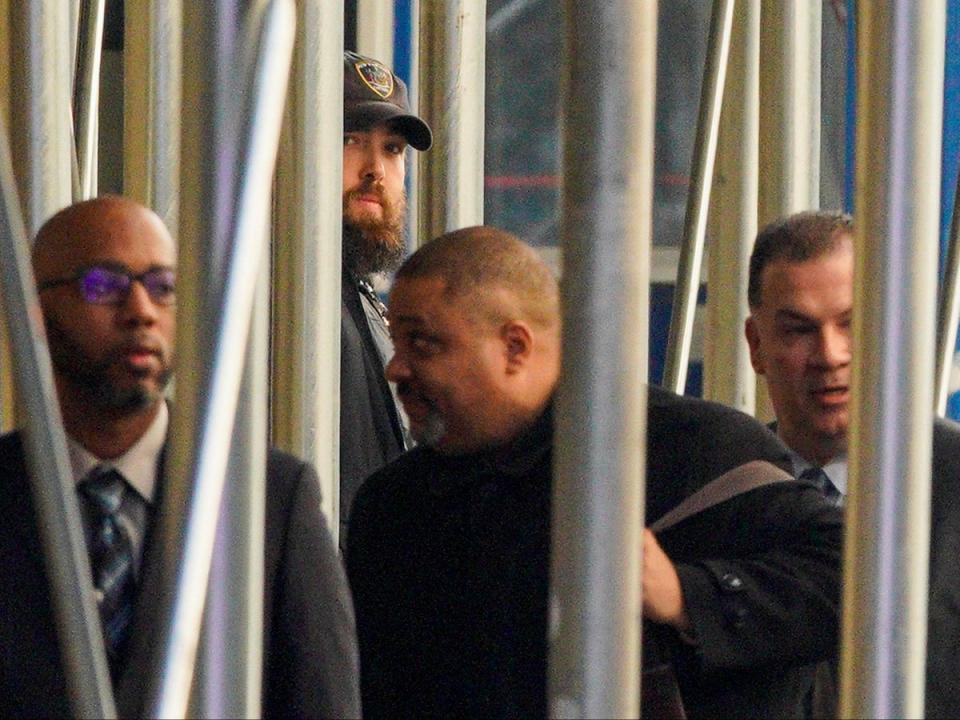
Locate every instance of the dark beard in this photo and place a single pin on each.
(371, 245)
(92, 377)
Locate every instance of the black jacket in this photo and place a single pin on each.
(310, 661)
(370, 434)
(449, 556)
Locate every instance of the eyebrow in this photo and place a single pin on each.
(796, 315)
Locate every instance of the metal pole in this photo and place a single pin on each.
(54, 494)
(413, 158)
(900, 58)
(452, 62)
(152, 61)
(375, 30)
(728, 375)
(86, 93)
(790, 107)
(230, 143)
(948, 309)
(40, 107)
(698, 199)
(229, 671)
(606, 221)
(7, 388)
(306, 272)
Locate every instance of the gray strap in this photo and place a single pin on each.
(741, 479)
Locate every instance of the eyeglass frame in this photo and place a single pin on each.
(116, 269)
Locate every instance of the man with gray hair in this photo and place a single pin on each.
(449, 550)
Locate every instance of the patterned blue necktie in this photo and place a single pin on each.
(819, 478)
(111, 559)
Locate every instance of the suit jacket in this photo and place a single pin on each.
(310, 661)
(449, 557)
(943, 610)
(370, 434)
(943, 620)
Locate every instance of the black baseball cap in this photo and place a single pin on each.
(372, 94)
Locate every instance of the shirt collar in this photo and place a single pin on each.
(835, 470)
(138, 465)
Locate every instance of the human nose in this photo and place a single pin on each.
(397, 368)
(372, 167)
(834, 347)
(138, 308)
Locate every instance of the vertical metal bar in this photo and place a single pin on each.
(698, 199)
(231, 133)
(452, 57)
(40, 107)
(7, 388)
(728, 375)
(86, 93)
(152, 61)
(375, 30)
(413, 158)
(948, 309)
(900, 60)
(790, 107)
(305, 396)
(65, 553)
(606, 221)
(230, 659)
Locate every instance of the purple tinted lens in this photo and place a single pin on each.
(100, 286)
(159, 284)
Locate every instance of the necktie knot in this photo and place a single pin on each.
(818, 477)
(104, 487)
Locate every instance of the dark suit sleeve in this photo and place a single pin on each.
(313, 664)
(760, 573)
(775, 604)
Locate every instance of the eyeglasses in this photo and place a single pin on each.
(101, 285)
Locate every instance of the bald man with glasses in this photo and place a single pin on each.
(106, 277)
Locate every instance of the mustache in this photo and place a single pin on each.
(368, 186)
(406, 390)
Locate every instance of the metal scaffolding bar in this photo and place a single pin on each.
(229, 676)
(152, 61)
(790, 107)
(698, 199)
(86, 93)
(606, 221)
(375, 30)
(306, 272)
(54, 494)
(452, 46)
(40, 107)
(231, 133)
(728, 374)
(900, 59)
(948, 309)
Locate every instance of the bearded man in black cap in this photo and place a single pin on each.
(378, 125)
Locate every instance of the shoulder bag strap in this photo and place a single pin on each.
(743, 478)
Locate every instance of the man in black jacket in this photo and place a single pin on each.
(801, 310)
(105, 270)
(377, 127)
(449, 550)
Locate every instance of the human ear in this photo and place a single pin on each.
(518, 344)
(753, 340)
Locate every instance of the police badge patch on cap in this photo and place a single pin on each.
(376, 77)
